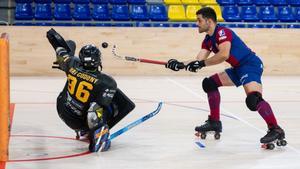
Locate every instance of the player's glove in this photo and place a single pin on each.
(175, 65)
(195, 65)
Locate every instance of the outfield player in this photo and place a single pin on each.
(246, 70)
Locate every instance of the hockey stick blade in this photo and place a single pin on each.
(137, 122)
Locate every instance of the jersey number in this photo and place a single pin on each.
(82, 92)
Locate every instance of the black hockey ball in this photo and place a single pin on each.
(104, 44)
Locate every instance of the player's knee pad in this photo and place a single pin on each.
(253, 99)
(95, 116)
(209, 85)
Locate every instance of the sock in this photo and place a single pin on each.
(214, 99)
(265, 110)
(214, 104)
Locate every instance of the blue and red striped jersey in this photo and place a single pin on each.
(239, 52)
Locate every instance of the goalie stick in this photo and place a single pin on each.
(137, 122)
(129, 126)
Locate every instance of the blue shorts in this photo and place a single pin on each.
(247, 72)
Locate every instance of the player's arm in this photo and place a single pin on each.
(221, 56)
(223, 41)
(175, 65)
(61, 48)
(202, 55)
(62, 58)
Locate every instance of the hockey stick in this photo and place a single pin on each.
(137, 122)
(134, 59)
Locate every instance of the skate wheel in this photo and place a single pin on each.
(217, 136)
(203, 136)
(77, 137)
(197, 134)
(283, 142)
(278, 143)
(264, 146)
(270, 146)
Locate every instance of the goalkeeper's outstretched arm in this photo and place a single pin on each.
(62, 49)
(62, 58)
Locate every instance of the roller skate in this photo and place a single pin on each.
(99, 139)
(275, 135)
(209, 126)
(81, 134)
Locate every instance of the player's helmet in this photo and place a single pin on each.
(90, 57)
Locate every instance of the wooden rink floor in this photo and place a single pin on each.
(40, 140)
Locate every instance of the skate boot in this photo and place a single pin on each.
(209, 126)
(81, 134)
(274, 135)
(99, 140)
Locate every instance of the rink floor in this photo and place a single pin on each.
(40, 140)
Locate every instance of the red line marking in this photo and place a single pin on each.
(50, 158)
(2, 164)
(11, 115)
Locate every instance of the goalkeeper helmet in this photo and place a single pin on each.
(90, 57)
